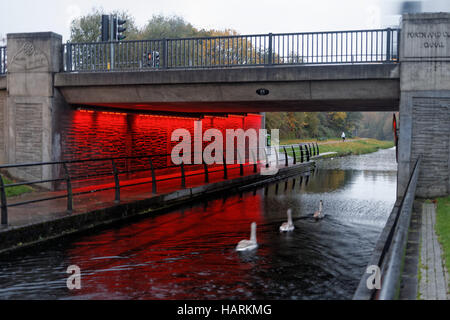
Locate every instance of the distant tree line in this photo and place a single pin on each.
(298, 125)
(377, 125)
(320, 125)
(88, 28)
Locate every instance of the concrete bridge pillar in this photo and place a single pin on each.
(425, 102)
(33, 59)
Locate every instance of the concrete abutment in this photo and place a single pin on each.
(425, 102)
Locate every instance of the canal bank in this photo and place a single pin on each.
(34, 225)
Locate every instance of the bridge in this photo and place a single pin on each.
(407, 70)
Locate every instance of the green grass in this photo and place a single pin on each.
(355, 147)
(419, 272)
(443, 227)
(15, 191)
(297, 141)
(360, 146)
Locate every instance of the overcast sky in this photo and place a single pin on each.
(245, 16)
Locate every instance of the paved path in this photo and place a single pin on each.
(88, 200)
(38, 212)
(340, 141)
(328, 141)
(434, 278)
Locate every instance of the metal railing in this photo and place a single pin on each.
(335, 47)
(389, 251)
(3, 66)
(117, 167)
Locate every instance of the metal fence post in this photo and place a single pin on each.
(69, 189)
(270, 62)
(318, 150)
(241, 165)
(225, 173)
(388, 46)
(69, 57)
(286, 157)
(116, 181)
(255, 164)
(153, 175)
(301, 153)
(307, 153)
(111, 44)
(165, 63)
(205, 166)
(4, 206)
(295, 157)
(183, 176)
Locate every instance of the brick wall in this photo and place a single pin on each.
(431, 134)
(86, 134)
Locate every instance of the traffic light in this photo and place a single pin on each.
(105, 28)
(153, 59)
(118, 30)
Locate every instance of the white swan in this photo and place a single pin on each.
(287, 226)
(251, 244)
(319, 214)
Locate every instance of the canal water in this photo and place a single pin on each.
(189, 253)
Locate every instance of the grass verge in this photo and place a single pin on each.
(360, 146)
(355, 147)
(17, 190)
(443, 227)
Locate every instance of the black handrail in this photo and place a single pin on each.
(389, 250)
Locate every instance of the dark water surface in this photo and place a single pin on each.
(189, 253)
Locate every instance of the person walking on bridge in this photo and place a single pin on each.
(343, 136)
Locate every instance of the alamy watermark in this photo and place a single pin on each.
(74, 280)
(214, 152)
(374, 280)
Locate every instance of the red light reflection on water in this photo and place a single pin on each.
(186, 254)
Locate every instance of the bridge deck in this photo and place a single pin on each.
(372, 87)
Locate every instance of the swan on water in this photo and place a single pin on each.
(251, 244)
(287, 226)
(319, 214)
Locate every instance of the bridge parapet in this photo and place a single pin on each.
(334, 47)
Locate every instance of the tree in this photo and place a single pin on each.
(312, 121)
(88, 28)
(160, 27)
(376, 125)
(353, 121)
